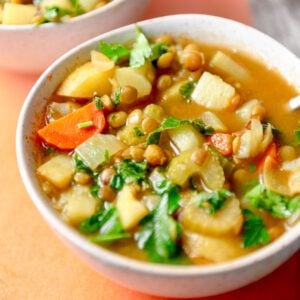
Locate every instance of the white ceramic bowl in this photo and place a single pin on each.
(162, 280)
(32, 48)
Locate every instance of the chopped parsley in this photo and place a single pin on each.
(80, 166)
(141, 50)
(115, 52)
(98, 102)
(252, 168)
(94, 190)
(85, 124)
(116, 98)
(158, 49)
(117, 182)
(254, 230)
(172, 123)
(214, 201)
(131, 171)
(278, 205)
(187, 89)
(297, 134)
(107, 223)
(159, 234)
(54, 14)
(138, 132)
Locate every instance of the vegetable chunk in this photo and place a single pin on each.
(87, 80)
(130, 209)
(78, 203)
(18, 14)
(58, 170)
(212, 92)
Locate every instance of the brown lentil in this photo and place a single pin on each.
(198, 156)
(149, 125)
(82, 178)
(165, 60)
(164, 82)
(106, 193)
(128, 95)
(117, 119)
(155, 155)
(137, 153)
(106, 175)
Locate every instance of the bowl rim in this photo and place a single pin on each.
(106, 256)
(51, 25)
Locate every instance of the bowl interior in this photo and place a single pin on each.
(207, 29)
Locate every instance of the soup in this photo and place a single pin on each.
(172, 152)
(18, 12)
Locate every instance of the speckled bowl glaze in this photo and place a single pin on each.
(32, 48)
(155, 279)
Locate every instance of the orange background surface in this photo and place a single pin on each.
(34, 264)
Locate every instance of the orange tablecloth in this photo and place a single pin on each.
(34, 264)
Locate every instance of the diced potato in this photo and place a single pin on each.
(18, 14)
(147, 70)
(226, 221)
(133, 77)
(78, 204)
(57, 110)
(98, 149)
(58, 170)
(127, 135)
(292, 165)
(1, 13)
(101, 61)
(294, 182)
(245, 111)
(85, 81)
(276, 179)
(210, 119)
(88, 5)
(212, 92)
(181, 168)
(130, 209)
(211, 248)
(226, 64)
(172, 93)
(185, 137)
(63, 4)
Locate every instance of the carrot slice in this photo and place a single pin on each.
(65, 134)
(222, 142)
(271, 151)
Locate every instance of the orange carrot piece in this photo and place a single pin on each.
(222, 142)
(271, 151)
(64, 133)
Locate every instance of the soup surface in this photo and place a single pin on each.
(18, 12)
(172, 151)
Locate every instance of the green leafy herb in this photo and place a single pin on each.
(98, 102)
(49, 150)
(278, 205)
(107, 222)
(202, 127)
(94, 190)
(297, 134)
(110, 237)
(116, 98)
(159, 234)
(252, 168)
(77, 7)
(172, 123)
(117, 182)
(214, 201)
(80, 166)
(158, 49)
(85, 124)
(141, 50)
(187, 89)
(138, 132)
(131, 171)
(54, 14)
(115, 52)
(254, 232)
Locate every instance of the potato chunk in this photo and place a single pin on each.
(78, 204)
(88, 5)
(130, 209)
(226, 64)
(185, 137)
(58, 171)
(63, 4)
(226, 221)
(212, 92)
(87, 80)
(18, 14)
(132, 77)
(211, 248)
